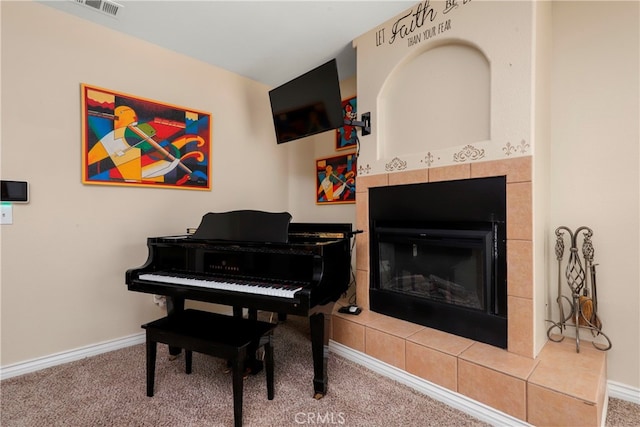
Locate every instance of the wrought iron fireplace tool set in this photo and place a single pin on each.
(583, 304)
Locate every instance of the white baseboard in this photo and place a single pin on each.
(623, 392)
(69, 356)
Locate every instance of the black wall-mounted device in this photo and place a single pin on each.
(309, 104)
(14, 191)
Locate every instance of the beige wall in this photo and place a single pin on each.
(65, 256)
(595, 158)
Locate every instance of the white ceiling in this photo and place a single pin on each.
(268, 41)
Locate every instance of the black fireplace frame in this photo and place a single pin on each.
(469, 204)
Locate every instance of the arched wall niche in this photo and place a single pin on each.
(437, 98)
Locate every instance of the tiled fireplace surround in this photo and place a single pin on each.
(540, 390)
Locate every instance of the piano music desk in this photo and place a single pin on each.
(217, 335)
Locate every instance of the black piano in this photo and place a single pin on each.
(259, 261)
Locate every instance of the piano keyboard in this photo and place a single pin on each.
(282, 291)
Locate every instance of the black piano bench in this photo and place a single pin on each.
(228, 337)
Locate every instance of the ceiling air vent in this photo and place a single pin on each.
(107, 7)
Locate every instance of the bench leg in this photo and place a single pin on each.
(268, 358)
(188, 359)
(151, 366)
(238, 378)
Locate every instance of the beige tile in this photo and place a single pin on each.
(432, 365)
(385, 347)
(362, 251)
(496, 389)
(364, 182)
(519, 169)
(396, 327)
(581, 375)
(519, 211)
(550, 408)
(409, 177)
(362, 289)
(490, 168)
(520, 268)
(564, 352)
(516, 170)
(348, 333)
(362, 211)
(499, 360)
(441, 341)
(520, 326)
(364, 318)
(449, 173)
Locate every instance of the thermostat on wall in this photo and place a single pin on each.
(14, 191)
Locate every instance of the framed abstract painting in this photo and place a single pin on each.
(346, 136)
(128, 140)
(336, 179)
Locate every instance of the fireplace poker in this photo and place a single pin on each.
(594, 298)
(559, 256)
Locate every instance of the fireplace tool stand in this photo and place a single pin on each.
(582, 310)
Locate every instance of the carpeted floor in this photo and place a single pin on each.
(109, 390)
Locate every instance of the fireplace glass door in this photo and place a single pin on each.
(444, 266)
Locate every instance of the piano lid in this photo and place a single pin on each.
(244, 226)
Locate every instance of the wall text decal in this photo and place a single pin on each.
(406, 26)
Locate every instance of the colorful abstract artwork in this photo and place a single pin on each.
(127, 140)
(346, 136)
(336, 179)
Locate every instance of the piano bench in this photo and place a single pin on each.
(228, 337)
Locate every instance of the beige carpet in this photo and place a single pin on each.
(109, 390)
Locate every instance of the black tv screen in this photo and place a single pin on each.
(308, 104)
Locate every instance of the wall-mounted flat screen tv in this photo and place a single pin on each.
(308, 104)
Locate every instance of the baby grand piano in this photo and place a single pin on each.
(255, 260)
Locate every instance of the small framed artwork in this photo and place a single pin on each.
(346, 135)
(132, 141)
(336, 179)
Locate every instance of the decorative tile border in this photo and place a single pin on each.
(483, 151)
(469, 152)
(396, 164)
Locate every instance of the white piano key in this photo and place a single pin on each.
(282, 292)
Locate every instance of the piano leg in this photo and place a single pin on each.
(320, 324)
(174, 305)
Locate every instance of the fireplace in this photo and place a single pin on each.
(438, 256)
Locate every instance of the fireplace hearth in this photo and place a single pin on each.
(438, 256)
